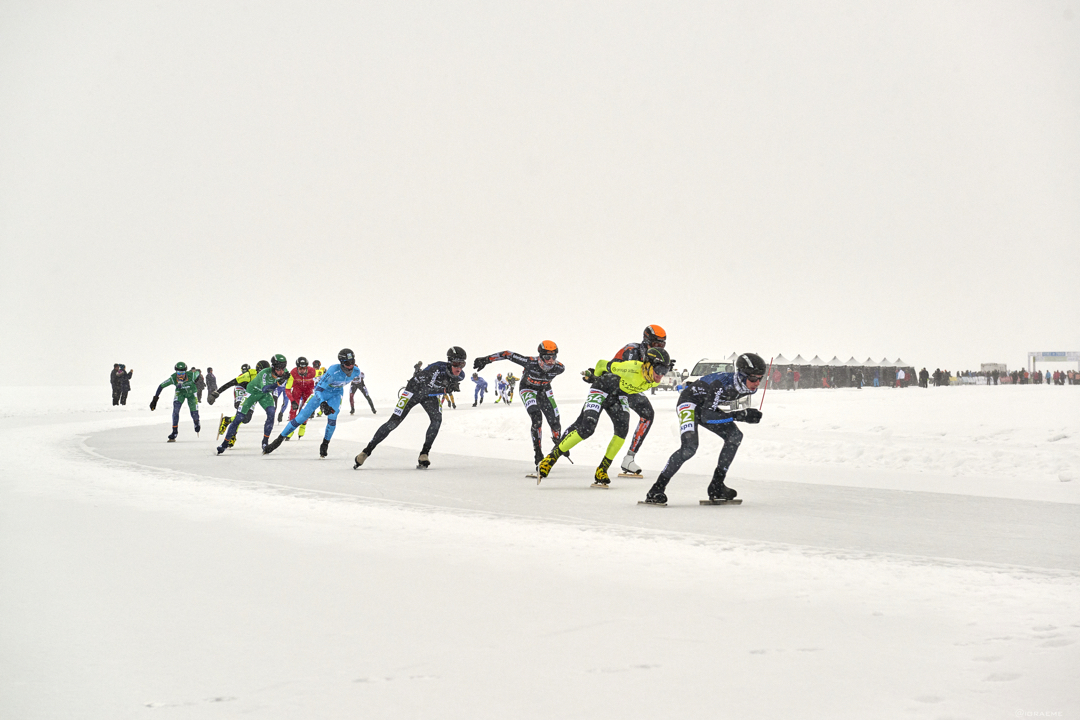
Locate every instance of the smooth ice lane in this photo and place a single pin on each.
(833, 519)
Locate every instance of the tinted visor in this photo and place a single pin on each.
(546, 361)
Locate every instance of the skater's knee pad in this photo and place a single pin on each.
(332, 420)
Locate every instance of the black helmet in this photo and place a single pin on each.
(244, 368)
(180, 367)
(751, 365)
(456, 356)
(654, 336)
(346, 357)
(659, 358)
(261, 365)
(278, 362)
(316, 364)
(301, 361)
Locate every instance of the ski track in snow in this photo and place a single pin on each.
(287, 586)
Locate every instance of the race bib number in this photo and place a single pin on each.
(686, 417)
(529, 398)
(595, 400)
(403, 400)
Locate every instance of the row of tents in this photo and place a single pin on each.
(816, 361)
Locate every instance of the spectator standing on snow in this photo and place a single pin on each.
(200, 383)
(211, 381)
(121, 382)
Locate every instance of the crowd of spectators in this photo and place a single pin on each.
(1014, 377)
(795, 377)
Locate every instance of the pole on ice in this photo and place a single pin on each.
(768, 377)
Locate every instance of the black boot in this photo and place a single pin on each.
(718, 490)
(656, 495)
(324, 447)
(271, 447)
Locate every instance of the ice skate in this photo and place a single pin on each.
(271, 447)
(324, 448)
(422, 462)
(655, 498)
(601, 479)
(303, 428)
(629, 467)
(359, 460)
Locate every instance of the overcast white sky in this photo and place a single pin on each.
(216, 182)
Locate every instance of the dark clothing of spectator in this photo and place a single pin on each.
(121, 385)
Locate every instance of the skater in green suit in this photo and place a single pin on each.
(261, 392)
(184, 380)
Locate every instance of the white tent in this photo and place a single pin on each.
(900, 363)
(852, 362)
(885, 363)
(870, 363)
(733, 357)
(835, 362)
(816, 361)
(781, 360)
(799, 360)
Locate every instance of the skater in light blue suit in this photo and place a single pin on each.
(329, 391)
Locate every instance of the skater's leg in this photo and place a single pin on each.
(333, 401)
(302, 417)
(405, 403)
(536, 421)
(641, 405)
(732, 436)
(352, 403)
(434, 410)
(688, 445)
(363, 389)
(177, 404)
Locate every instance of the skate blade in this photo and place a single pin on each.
(600, 485)
(642, 502)
(533, 475)
(421, 467)
(736, 501)
(630, 475)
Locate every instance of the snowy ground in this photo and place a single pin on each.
(900, 553)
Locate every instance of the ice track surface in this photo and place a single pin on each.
(143, 579)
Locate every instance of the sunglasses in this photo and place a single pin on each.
(458, 363)
(753, 378)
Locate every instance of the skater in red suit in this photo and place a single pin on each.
(299, 388)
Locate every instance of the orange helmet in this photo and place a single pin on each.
(654, 336)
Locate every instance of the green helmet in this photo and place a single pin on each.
(278, 362)
(180, 367)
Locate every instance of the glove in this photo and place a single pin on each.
(480, 363)
(453, 386)
(588, 376)
(212, 396)
(326, 409)
(750, 415)
(153, 403)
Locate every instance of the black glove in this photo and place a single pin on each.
(212, 396)
(453, 386)
(153, 403)
(749, 415)
(480, 363)
(588, 376)
(326, 409)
